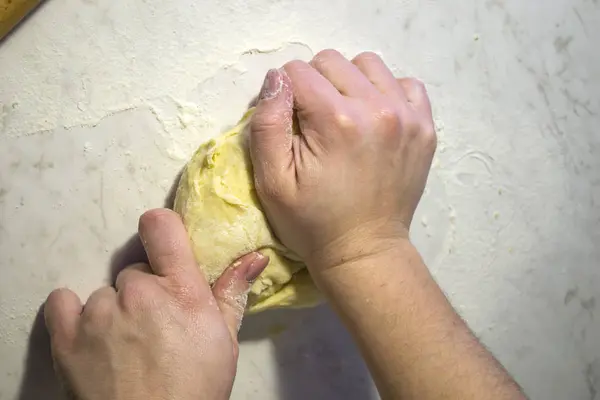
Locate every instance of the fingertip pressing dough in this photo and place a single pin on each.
(224, 219)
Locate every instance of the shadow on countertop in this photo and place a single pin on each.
(315, 355)
(39, 381)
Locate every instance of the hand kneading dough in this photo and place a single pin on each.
(224, 219)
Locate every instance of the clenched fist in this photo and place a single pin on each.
(346, 182)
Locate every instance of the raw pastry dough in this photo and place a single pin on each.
(224, 219)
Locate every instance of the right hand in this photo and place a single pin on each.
(347, 184)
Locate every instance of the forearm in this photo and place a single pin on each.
(414, 342)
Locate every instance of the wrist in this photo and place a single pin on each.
(392, 274)
(359, 249)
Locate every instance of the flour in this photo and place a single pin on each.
(506, 243)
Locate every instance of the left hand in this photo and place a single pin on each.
(162, 333)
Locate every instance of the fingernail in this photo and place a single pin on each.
(256, 267)
(272, 85)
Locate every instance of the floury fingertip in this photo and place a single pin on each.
(272, 85)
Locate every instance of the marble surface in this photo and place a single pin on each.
(101, 104)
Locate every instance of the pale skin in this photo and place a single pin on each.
(341, 193)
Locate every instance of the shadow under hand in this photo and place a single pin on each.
(315, 355)
(39, 381)
(132, 252)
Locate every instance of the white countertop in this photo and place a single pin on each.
(101, 104)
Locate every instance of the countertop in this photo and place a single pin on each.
(102, 103)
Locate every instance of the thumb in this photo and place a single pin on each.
(271, 125)
(231, 289)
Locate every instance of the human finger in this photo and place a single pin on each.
(416, 94)
(62, 311)
(100, 306)
(344, 75)
(373, 67)
(133, 272)
(231, 289)
(167, 244)
(313, 93)
(271, 125)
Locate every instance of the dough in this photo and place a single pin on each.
(224, 219)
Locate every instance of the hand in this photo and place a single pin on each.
(348, 183)
(162, 334)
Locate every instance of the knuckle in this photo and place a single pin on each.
(265, 120)
(156, 216)
(324, 55)
(131, 294)
(182, 290)
(102, 309)
(99, 316)
(184, 296)
(418, 85)
(413, 124)
(54, 298)
(415, 128)
(295, 65)
(388, 118)
(328, 53)
(410, 127)
(430, 138)
(367, 56)
(344, 121)
(388, 115)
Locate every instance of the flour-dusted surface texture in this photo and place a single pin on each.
(103, 103)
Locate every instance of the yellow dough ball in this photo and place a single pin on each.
(224, 219)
